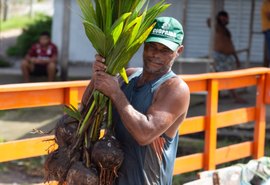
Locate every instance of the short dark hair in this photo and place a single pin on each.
(222, 13)
(45, 33)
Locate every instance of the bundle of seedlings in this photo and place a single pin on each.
(116, 29)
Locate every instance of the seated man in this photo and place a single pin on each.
(40, 59)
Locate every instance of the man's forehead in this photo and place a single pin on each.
(158, 45)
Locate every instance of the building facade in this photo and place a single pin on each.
(192, 13)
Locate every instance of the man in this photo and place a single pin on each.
(224, 53)
(265, 19)
(148, 110)
(40, 59)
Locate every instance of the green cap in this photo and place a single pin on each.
(167, 31)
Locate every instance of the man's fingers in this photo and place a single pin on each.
(99, 58)
(102, 74)
(98, 66)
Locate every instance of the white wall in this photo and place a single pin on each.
(57, 23)
(80, 49)
(239, 11)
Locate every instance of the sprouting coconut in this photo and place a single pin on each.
(56, 166)
(58, 163)
(116, 29)
(78, 174)
(65, 130)
(108, 156)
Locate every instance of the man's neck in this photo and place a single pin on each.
(148, 77)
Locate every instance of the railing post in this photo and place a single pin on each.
(210, 141)
(267, 89)
(259, 128)
(71, 96)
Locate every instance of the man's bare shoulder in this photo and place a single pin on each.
(175, 83)
(175, 88)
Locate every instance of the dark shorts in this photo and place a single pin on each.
(39, 70)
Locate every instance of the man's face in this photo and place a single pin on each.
(224, 20)
(44, 40)
(157, 58)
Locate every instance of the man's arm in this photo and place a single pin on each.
(170, 105)
(236, 59)
(265, 10)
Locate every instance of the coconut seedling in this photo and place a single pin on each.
(116, 29)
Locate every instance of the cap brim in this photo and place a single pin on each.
(172, 45)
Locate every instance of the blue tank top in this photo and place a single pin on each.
(151, 164)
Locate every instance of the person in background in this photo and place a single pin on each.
(40, 59)
(224, 53)
(265, 20)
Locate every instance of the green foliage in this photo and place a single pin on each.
(30, 35)
(16, 23)
(4, 62)
(2, 140)
(73, 112)
(184, 178)
(116, 29)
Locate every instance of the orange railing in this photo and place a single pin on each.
(57, 93)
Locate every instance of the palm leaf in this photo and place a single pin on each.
(138, 8)
(123, 74)
(151, 14)
(136, 28)
(73, 112)
(126, 56)
(108, 9)
(96, 36)
(99, 15)
(117, 27)
(88, 10)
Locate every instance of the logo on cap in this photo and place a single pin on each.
(164, 32)
(165, 26)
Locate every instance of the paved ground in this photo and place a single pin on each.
(8, 39)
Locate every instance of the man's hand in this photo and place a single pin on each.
(104, 82)
(107, 84)
(98, 65)
(36, 61)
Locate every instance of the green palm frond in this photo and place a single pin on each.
(96, 37)
(73, 112)
(116, 29)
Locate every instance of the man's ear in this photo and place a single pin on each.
(180, 50)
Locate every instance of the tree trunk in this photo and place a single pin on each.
(5, 10)
(31, 8)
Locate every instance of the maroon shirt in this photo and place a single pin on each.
(43, 53)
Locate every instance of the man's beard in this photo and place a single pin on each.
(162, 69)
